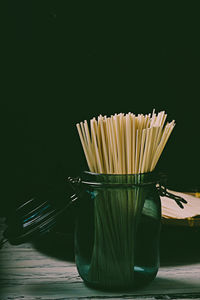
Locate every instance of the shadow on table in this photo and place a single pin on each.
(179, 245)
(57, 245)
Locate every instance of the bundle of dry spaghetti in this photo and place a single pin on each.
(120, 144)
(124, 143)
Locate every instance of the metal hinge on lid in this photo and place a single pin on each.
(162, 190)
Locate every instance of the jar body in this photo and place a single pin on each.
(117, 231)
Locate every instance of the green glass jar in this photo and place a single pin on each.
(117, 230)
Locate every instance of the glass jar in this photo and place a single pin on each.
(117, 230)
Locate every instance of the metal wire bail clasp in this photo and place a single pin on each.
(74, 181)
(162, 190)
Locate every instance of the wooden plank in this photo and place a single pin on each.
(69, 290)
(65, 282)
(28, 274)
(57, 273)
(32, 262)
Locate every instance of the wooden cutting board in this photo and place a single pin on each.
(173, 215)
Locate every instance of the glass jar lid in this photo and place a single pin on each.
(38, 214)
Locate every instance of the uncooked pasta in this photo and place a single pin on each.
(124, 143)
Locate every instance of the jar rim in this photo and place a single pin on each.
(118, 174)
(100, 180)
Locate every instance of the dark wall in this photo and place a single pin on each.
(64, 64)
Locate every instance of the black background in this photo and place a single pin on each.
(63, 63)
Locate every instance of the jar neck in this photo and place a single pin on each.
(113, 180)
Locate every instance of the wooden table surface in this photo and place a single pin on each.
(27, 273)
